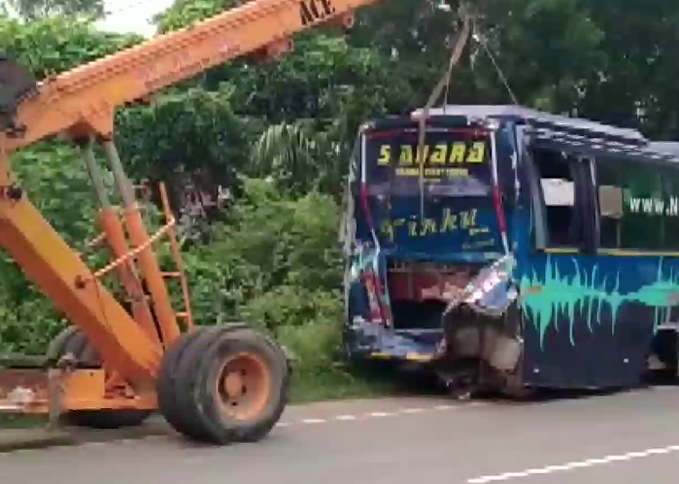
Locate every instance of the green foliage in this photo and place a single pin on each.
(184, 12)
(32, 10)
(634, 83)
(186, 137)
(54, 178)
(56, 44)
(275, 263)
(314, 100)
(555, 46)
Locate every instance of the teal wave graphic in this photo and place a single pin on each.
(547, 296)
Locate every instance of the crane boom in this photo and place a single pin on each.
(84, 98)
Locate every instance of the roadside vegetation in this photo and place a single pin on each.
(254, 155)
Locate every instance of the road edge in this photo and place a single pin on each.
(12, 440)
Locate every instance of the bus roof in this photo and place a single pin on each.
(671, 147)
(533, 116)
(579, 135)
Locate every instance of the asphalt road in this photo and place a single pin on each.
(622, 438)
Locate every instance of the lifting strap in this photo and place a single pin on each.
(444, 81)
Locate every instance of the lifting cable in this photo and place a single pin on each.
(469, 30)
(443, 82)
(479, 38)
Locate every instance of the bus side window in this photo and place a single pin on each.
(557, 182)
(671, 220)
(634, 205)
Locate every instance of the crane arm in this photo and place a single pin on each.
(84, 98)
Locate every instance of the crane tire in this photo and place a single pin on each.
(167, 400)
(73, 340)
(260, 368)
(192, 425)
(55, 350)
(107, 419)
(205, 380)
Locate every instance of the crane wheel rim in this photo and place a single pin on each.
(243, 386)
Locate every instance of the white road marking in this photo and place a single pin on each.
(412, 410)
(313, 421)
(575, 465)
(369, 415)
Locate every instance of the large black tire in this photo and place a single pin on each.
(56, 348)
(188, 420)
(193, 393)
(107, 419)
(72, 340)
(167, 402)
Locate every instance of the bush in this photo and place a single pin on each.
(276, 261)
(276, 264)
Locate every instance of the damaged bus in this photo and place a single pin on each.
(512, 249)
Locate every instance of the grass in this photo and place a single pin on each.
(337, 383)
(12, 421)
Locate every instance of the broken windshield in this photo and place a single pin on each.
(456, 162)
(452, 211)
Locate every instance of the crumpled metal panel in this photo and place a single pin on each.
(491, 292)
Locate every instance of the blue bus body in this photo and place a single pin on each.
(512, 247)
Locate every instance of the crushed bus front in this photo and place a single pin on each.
(426, 246)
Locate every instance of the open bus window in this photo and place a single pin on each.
(557, 184)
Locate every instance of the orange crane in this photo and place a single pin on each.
(125, 358)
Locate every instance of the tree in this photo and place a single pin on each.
(547, 50)
(635, 82)
(56, 44)
(184, 12)
(33, 10)
(191, 140)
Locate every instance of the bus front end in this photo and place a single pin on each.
(428, 267)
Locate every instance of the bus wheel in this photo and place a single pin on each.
(224, 384)
(665, 350)
(74, 342)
